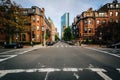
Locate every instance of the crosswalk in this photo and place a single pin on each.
(61, 45)
(13, 53)
(74, 72)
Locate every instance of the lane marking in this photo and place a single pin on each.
(76, 75)
(9, 51)
(46, 77)
(61, 45)
(4, 55)
(102, 51)
(118, 69)
(12, 56)
(99, 71)
(104, 76)
(70, 69)
(2, 74)
(90, 66)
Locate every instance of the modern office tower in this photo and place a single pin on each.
(64, 23)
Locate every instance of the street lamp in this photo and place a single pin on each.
(17, 34)
(44, 33)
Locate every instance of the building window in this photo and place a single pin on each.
(33, 19)
(104, 21)
(111, 13)
(111, 6)
(37, 19)
(90, 30)
(117, 6)
(85, 22)
(101, 14)
(98, 21)
(38, 36)
(108, 5)
(116, 13)
(117, 21)
(89, 21)
(85, 30)
(24, 12)
(84, 14)
(38, 28)
(74, 27)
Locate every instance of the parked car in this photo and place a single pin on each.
(70, 42)
(50, 43)
(12, 45)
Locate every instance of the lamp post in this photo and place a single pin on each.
(17, 34)
(44, 33)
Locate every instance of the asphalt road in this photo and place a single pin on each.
(59, 62)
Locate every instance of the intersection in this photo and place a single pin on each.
(60, 62)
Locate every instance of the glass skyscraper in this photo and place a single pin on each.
(64, 23)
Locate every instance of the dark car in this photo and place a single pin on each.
(50, 43)
(13, 45)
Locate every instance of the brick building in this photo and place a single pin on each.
(34, 29)
(36, 25)
(85, 25)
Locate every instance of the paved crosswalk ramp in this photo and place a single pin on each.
(59, 74)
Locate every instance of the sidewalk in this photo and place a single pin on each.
(94, 46)
(28, 46)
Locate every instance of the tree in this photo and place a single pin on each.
(67, 34)
(47, 36)
(56, 38)
(110, 32)
(12, 19)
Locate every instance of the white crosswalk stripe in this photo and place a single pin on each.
(61, 45)
(13, 53)
(100, 71)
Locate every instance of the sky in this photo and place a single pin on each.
(56, 8)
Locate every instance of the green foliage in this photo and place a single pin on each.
(67, 34)
(47, 36)
(11, 18)
(56, 38)
(110, 33)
